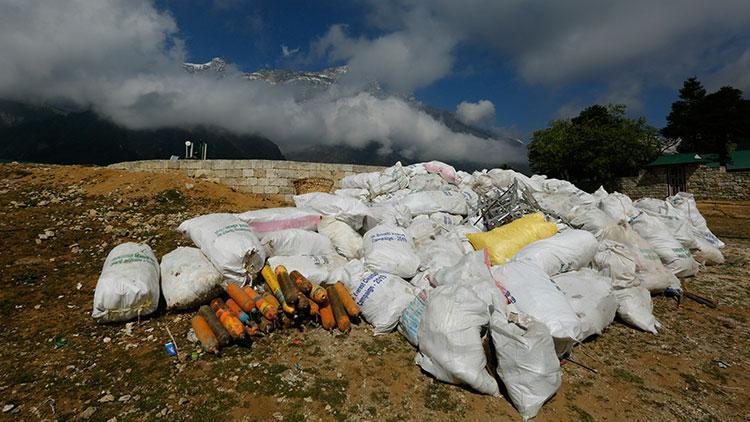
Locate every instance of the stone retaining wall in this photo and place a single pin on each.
(271, 177)
(706, 183)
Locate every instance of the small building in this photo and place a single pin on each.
(699, 174)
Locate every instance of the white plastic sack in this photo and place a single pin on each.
(706, 253)
(618, 206)
(444, 251)
(229, 243)
(649, 270)
(390, 212)
(420, 182)
(349, 210)
(381, 297)
(450, 343)
(446, 221)
(428, 202)
(591, 297)
(273, 219)
(292, 242)
(616, 262)
(539, 297)
(682, 229)
(316, 268)
(390, 249)
(423, 230)
(344, 239)
(634, 306)
(188, 279)
(684, 203)
(378, 183)
(566, 251)
(674, 256)
(590, 218)
(474, 271)
(526, 362)
(678, 226)
(411, 317)
(128, 286)
(358, 194)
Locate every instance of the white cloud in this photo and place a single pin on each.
(550, 42)
(122, 58)
(286, 51)
(402, 60)
(480, 113)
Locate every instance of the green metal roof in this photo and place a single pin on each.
(675, 159)
(740, 160)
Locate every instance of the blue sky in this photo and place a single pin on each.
(251, 33)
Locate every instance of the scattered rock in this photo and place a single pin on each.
(106, 399)
(124, 399)
(183, 401)
(88, 413)
(8, 407)
(107, 339)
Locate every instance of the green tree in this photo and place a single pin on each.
(594, 148)
(709, 123)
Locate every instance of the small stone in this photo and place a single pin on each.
(106, 399)
(8, 407)
(89, 412)
(107, 339)
(189, 186)
(124, 399)
(183, 401)
(114, 419)
(37, 306)
(92, 213)
(162, 413)
(308, 399)
(328, 408)
(78, 286)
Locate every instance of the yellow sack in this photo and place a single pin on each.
(505, 241)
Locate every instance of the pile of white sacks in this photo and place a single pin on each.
(397, 240)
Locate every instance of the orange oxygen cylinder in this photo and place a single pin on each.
(235, 309)
(288, 288)
(327, 319)
(339, 313)
(273, 285)
(205, 335)
(216, 326)
(239, 296)
(346, 299)
(233, 325)
(319, 294)
(269, 311)
(270, 298)
(301, 281)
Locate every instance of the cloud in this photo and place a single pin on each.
(123, 59)
(553, 43)
(480, 113)
(286, 52)
(401, 61)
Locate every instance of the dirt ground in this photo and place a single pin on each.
(59, 222)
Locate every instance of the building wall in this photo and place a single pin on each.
(271, 177)
(707, 184)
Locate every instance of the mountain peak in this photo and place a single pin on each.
(217, 64)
